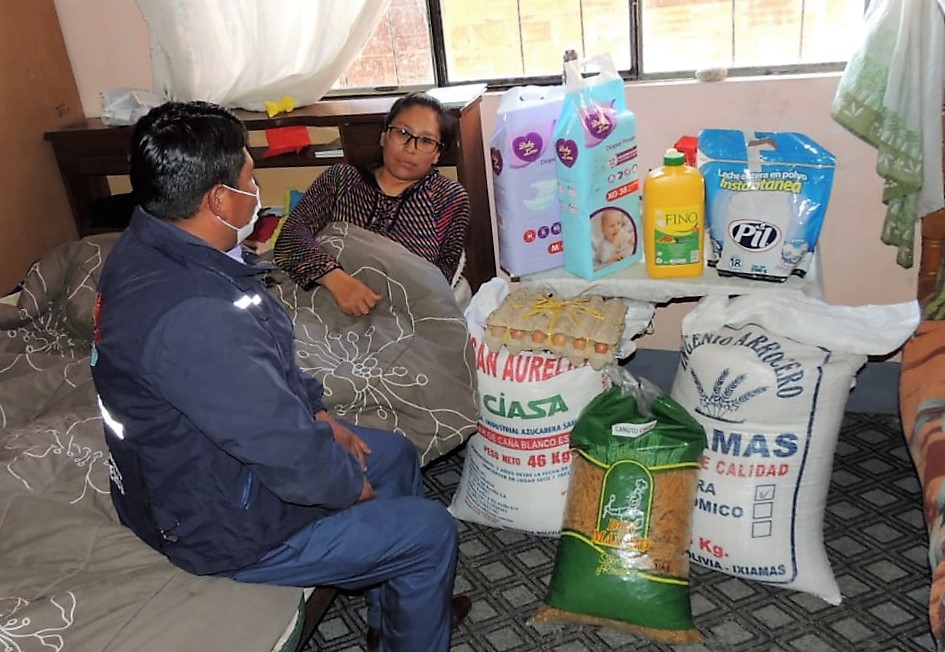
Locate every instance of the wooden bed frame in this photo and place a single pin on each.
(89, 152)
(932, 245)
(315, 608)
(932, 251)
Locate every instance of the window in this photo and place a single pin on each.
(687, 34)
(440, 42)
(399, 53)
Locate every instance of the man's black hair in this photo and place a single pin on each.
(419, 98)
(179, 151)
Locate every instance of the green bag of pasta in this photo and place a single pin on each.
(622, 556)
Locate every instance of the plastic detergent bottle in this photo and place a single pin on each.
(674, 218)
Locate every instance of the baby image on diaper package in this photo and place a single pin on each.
(766, 197)
(524, 179)
(597, 168)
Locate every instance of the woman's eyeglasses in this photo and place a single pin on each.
(403, 137)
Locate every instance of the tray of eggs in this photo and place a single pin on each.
(582, 329)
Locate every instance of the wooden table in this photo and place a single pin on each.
(89, 152)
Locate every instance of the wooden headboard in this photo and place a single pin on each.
(932, 244)
(931, 254)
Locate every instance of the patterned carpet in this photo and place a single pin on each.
(876, 542)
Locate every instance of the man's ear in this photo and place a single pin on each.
(215, 200)
(436, 157)
(383, 139)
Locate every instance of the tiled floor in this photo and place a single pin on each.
(875, 539)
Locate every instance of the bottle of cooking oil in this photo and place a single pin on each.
(674, 218)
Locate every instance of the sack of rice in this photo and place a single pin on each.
(768, 376)
(621, 558)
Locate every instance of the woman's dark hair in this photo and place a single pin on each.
(179, 151)
(419, 98)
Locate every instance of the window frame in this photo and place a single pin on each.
(633, 74)
(441, 73)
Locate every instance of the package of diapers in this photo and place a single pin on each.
(768, 376)
(597, 168)
(523, 176)
(766, 196)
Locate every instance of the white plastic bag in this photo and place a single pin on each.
(768, 376)
(125, 106)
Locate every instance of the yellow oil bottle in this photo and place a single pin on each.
(674, 218)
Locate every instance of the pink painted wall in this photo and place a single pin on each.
(107, 42)
(108, 47)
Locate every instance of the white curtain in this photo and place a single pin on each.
(242, 53)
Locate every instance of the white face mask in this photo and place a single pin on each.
(245, 231)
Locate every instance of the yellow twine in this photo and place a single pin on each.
(555, 307)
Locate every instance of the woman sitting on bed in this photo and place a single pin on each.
(406, 199)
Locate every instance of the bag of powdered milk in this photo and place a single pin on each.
(523, 175)
(597, 168)
(768, 376)
(766, 196)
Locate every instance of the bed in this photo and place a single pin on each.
(73, 577)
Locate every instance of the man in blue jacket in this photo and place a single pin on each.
(224, 456)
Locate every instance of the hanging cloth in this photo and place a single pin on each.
(245, 53)
(890, 95)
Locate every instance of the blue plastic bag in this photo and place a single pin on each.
(597, 170)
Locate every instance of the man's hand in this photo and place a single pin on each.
(352, 295)
(367, 491)
(348, 440)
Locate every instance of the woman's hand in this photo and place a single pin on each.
(352, 295)
(348, 440)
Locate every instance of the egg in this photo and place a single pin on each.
(517, 334)
(580, 343)
(497, 331)
(538, 337)
(559, 339)
(600, 347)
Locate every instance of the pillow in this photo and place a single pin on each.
(266, 229)
(54, 310)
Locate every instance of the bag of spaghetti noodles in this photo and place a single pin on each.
(622, 556)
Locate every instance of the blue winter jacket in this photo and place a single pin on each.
(217, 456)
